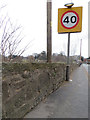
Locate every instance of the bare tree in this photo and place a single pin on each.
(11, 38)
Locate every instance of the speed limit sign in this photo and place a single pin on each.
(70, 19)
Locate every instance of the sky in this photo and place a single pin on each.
(32, 16)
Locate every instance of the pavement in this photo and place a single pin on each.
(69, 101)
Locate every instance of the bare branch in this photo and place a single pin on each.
(11, 38)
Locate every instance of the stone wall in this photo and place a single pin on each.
(25, 85)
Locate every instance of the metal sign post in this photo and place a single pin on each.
(68, 64)
(80, 48)
(69, 21)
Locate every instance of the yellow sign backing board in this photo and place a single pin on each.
(69, 19)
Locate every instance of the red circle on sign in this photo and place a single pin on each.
(76, 22)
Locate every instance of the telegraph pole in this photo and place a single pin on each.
(49, 30)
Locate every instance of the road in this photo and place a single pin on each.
(87, 67)
(0, 90)
(69, 101)
(89, 91)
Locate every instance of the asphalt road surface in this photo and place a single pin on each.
(89, 91)
(0, 90)
(69, 101)
(87, 67)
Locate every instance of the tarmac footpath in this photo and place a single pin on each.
(69, 101)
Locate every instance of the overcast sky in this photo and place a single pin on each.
(31, 14)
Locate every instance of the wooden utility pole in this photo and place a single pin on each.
(49, 30)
